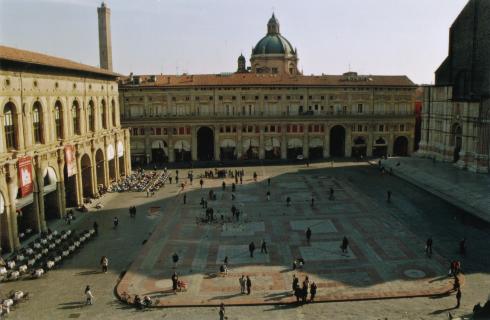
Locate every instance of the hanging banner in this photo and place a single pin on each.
(110, 152)
(120, 149)
(25, 176)
(71, 164)
(2, 204)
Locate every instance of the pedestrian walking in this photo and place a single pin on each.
(175, 280)
(308, 235)
(241, 179)
(313, 288)
(104, 262)
(268, 195)
(176, 179)
(312, 201)
(388, 196)
(185, 198)
(116, 222)
(251, 248)
(462, 247)
(88, 295)
(222, 312)
(428, 247)
(96, 228)
(295, 283)
(255, 176)
(223, 186)
(269, 182)
(331, 197)
(288, 201)
(225, 261)
(345, 245)
(458, 298)
(456, 284)
(170, 179)
(249, 285)
(175, 259)
(243, 284)
(263, 247)
(201, 182)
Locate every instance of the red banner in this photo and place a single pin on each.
(71, 164)
(25, 175)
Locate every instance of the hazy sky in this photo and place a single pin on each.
(206, 36)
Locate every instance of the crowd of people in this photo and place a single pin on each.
(141, 181)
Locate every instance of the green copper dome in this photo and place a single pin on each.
(273, 44)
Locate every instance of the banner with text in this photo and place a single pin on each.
(71, 163)
(25, 176)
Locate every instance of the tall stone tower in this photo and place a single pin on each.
(105, 44)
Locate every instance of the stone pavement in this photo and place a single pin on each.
(466, 190)
(385, 260)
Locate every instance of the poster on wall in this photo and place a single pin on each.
(25, 176)
(71, 164)
(110, 152)
(120, 149)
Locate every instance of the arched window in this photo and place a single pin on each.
(103, 114)
(90, 116)
(58, 120)
(75, 116)
(10, 126)
(37, 123)
(114, 114)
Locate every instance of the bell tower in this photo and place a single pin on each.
(105, 44)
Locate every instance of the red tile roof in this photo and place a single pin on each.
(252, 79)
(30, 57)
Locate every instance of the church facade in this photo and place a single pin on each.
(456, 112)
(267, 111)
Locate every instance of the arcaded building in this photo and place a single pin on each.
(268, 110)
(456, 110)
(60, 139)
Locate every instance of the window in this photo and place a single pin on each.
(37, 122)
(359, 108)
(103, 114)
(10, 126)
(75, 118)
(90, 116)
(402, 127)
(381, 128)
(58, 120)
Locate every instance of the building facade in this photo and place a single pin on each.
(456, 110)
(267, 111)
(60, 139)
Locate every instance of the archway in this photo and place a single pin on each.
(315, 149)
(159, 151)
(86, 166)
(182, 151)
(456, 140)
(70, 188)
(100, 170)
(359, 147)
(251, 149)
(228, 148)
(272, 148)
(295, 148)
(205, 144)
(400, 147)
(380, 148)
(337, 141)
(51, 194)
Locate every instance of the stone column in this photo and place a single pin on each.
(261, 143)
(194, 143)
(284, 143)
(348, 142)
(40, 201)
(60, 184)
(239, 144)
(306, 145)
(106, 166)
(148, 146)
(11, 210)
(79, 179)
(391, 140)
(171, 152)
(326, 142)
(217, 153)
(93, 171)
(369, 144)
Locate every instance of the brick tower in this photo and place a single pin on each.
(105, 45)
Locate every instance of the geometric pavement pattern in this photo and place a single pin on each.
(384, 259)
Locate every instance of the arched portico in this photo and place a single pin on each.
(337, 141)
(205, 144)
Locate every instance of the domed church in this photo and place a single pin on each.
(274, 53)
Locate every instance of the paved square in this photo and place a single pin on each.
(383, 260)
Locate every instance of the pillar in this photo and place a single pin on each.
(369, 144)
(391, 140)
(261, 143)
(306, 145)
(239, 144)
(79, 179)
(326, 142)
(148, 146)
(348, 142)
(41, 219)
(194, 143)
(284, 143)
(217, 155)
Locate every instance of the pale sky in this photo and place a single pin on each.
(383, 37)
